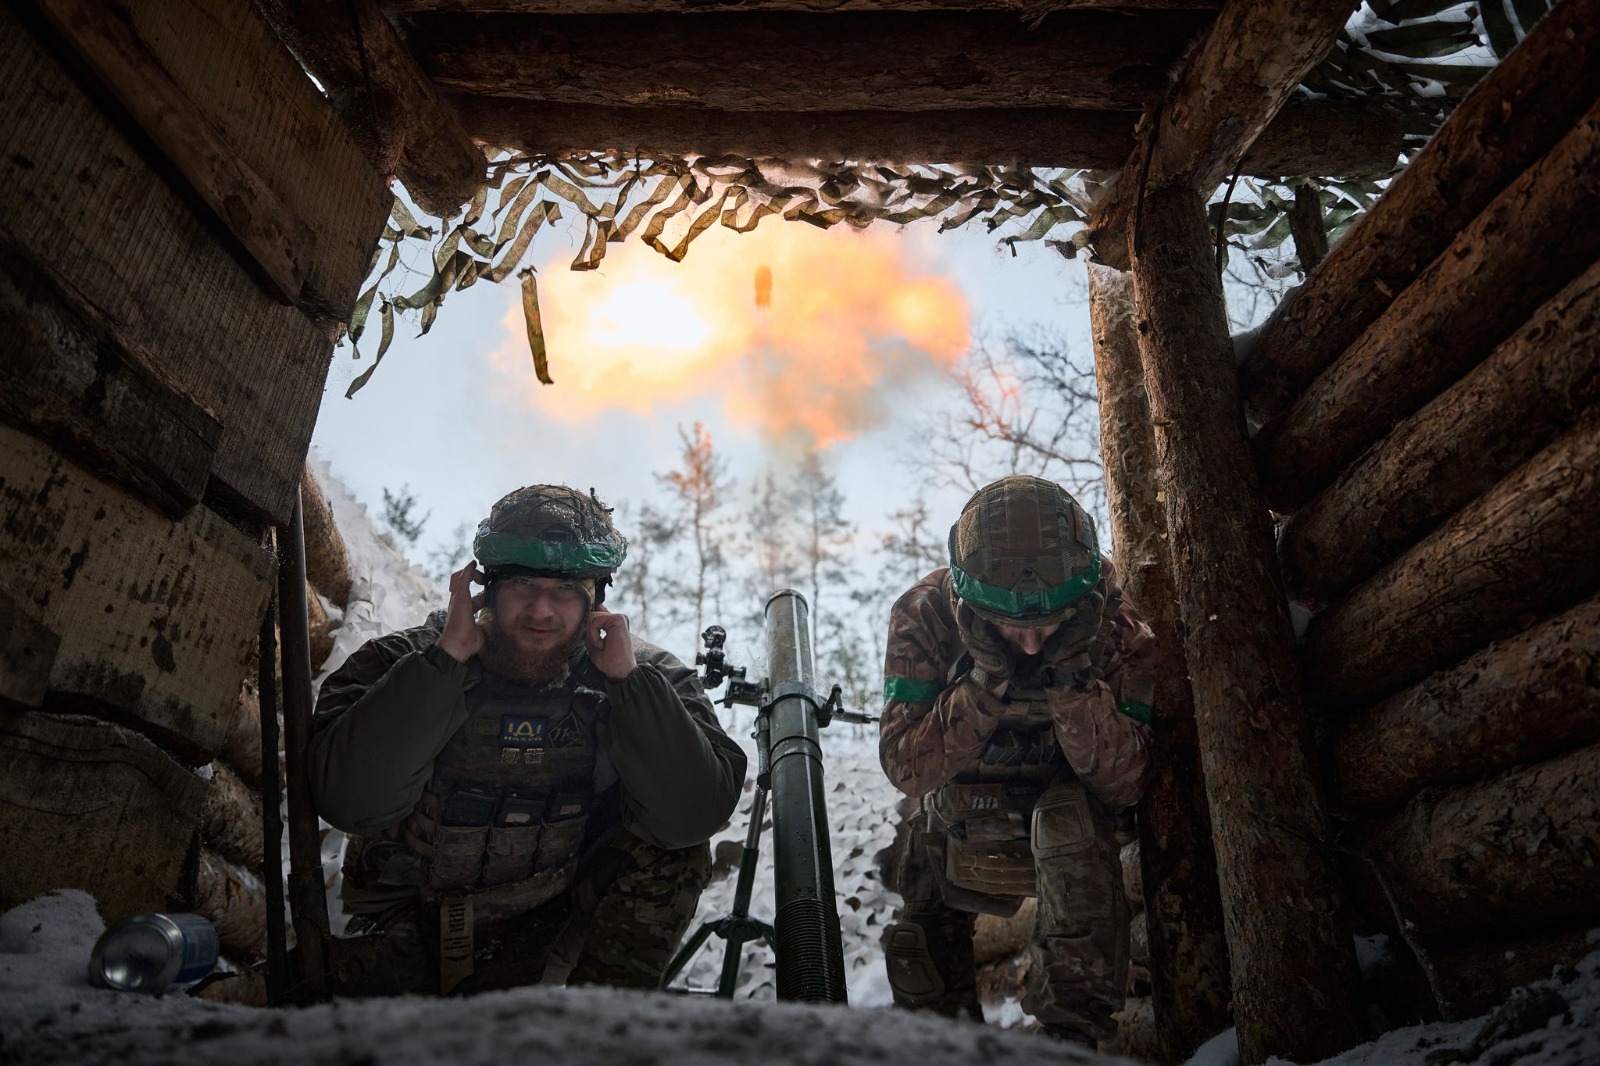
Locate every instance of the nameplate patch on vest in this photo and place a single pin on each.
(517, 731)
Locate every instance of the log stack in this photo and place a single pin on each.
(1428, 427)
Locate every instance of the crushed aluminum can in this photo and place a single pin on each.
(153, 953)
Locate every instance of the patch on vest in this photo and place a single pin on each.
(522, 739)
(566, 732)
(522, 732)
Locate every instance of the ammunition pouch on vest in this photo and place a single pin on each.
(517, 796)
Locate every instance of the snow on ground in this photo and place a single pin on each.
(50, 1014)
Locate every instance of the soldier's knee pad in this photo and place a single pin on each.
(913, 974)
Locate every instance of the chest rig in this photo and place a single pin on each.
(516, 794)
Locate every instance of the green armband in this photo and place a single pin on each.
(1137, 710)
(908, 691)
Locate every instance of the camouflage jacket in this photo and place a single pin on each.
(386, 713)
(935, 727)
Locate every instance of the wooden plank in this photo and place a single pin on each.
(79, 195)
(1509, 120)
(794, 61)
(402, 125)
(1518, 552)
(270, 113)
(1188, 953)
(1528, 698)
(1307, 137)
(1530, 242)
(1515, 853)
(27, 652)
(276, 243)
(67, 375)
(1532, 389)
(157, 619)
(92, 805)
(1250, 60)
(1293, 967)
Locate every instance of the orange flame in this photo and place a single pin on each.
(843, 320)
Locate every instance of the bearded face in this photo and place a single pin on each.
(534, 626)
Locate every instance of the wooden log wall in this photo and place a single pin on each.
(1429, 429)
(186, 224)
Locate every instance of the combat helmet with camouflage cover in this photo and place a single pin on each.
(550, 530)
(1023, 552)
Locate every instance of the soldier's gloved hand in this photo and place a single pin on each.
(992, 658)
(1069, 659)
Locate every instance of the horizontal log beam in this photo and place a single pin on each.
(1230, 88)
(1029, 9)
(1518, 852)
(1530, 242)
(791, 61)
(327, 560)
(230, 818)
(235, 901)
(1520, 551)
(403, 126)
(1533, 388)
(1511, 119)
(1528, 698)
(1306, 137)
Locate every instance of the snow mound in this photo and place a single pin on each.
(52, 1015)
(388, 593)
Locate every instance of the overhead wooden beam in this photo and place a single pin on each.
(794, 61)
(1251, 59)
(1030, 9)
(404, 127)
(1307, 137)
(1293, 967)
(1512, 118)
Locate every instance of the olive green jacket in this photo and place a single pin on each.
(394, 704)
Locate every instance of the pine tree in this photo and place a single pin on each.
(399, 514)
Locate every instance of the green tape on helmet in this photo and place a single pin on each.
(508, 549)
(1033, 603)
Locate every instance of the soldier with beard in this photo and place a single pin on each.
(1017, 685)
(529, 787)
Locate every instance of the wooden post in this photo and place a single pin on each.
(1293, 962)
(1183, 903)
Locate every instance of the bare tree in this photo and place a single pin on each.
(700, 486)
(771, 533)
(1023, 407)
(914, 546)
(645, 581)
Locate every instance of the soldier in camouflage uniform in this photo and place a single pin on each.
(529, 788)
(1017, 684)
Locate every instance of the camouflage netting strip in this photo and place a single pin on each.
(669, 203)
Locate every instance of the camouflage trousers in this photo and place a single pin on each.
(1077, 971)
(617, 925)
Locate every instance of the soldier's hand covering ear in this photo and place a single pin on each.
(463, 637)
(1072, 661)
(989, 650)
